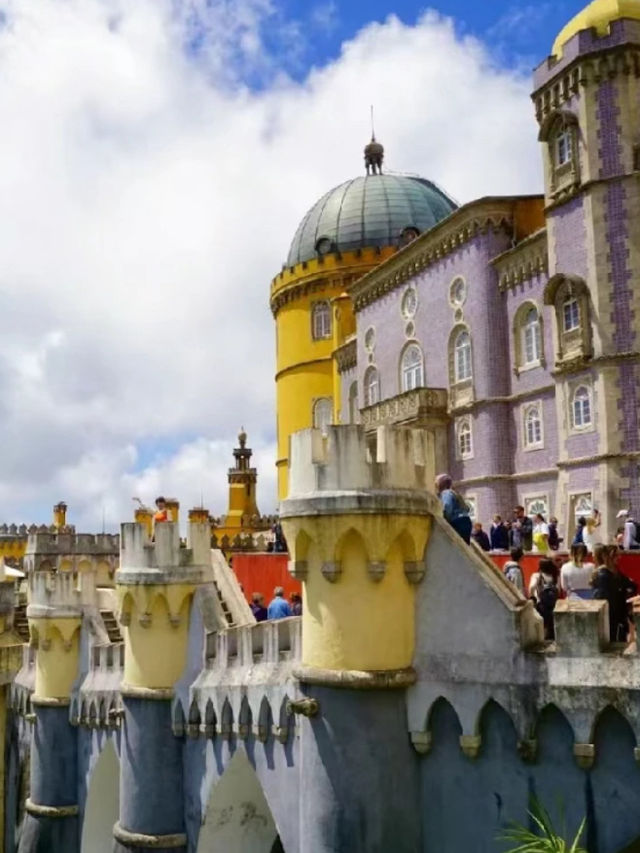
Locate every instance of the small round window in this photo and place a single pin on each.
(408, 235)
(409, 303)
(324, 246)
(458, 292)
(370, 339)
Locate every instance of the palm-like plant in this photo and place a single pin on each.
(544, 838)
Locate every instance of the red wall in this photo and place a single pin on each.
(262, 573)
(628, 563)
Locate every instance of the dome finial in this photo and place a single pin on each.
(242, 437)
(373, 152)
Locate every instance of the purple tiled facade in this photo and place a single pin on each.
(585, 382)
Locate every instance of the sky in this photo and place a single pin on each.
(156, 157)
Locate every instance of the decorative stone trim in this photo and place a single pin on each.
(306, 707)
(50, 811)
(522, 263)
(51, 701)
(138, 839)
(511, 398)
(470, 745)
(514, 478)
(351, 679)
(412, 407)
(281, 733)
(155, 694)
(376, 570)
(331, 571)
(600, 457)
(477, 217)
(347, 356)
(415, 571)
(298, 569)
(584, 754)
(422, 742)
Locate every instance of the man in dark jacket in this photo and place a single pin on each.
(499, 535)
(521, 530)
(480, 537)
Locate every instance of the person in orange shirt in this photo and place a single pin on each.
(161, 513)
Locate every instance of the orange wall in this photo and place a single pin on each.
(263, 572)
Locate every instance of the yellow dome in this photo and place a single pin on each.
(598, 14)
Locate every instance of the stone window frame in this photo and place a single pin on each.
(367, 384)
(472, 502)
(409, 314)
(527, 410)
(519, 331)
(575, 344)
(461, 391)
(353, 403)
(321, 314)
(561, 124)
(529, 504)
(408, 347)
(458, 303)
(575, 387)
(460, 424)
(315, 408)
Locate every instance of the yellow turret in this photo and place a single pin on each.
(598, 14)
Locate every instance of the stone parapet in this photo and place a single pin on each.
(269, 642)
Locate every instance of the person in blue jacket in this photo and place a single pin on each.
(279, 607)
(454, 507)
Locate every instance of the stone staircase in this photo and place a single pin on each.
(111, 626)
(225, 607)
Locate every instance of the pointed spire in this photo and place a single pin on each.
(373, 152)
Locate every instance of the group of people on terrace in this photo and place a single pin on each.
(278, 608)
(590, 572)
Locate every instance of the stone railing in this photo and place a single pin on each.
(229, 590)
(245, 542)
(106, 658)
(262, 643)
(413, 408)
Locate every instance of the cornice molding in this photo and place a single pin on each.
(347, 356)
(525, 261)
(477, 217)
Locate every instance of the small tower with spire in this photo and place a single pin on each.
(373, 152)
(243, 514)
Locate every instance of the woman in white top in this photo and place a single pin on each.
(575, 575)
(540, 535)
(589, 536)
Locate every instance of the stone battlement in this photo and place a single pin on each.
(139, 556)
(346, 460)
(59, 594)
(50, 542)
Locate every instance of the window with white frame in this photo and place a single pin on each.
(533, 426)
(581, 408)
(564, 147)
(371, 387)
(412, 368)
(531, 338)
(462, 357)
(322, 413)
(321, 321)
(570, 315)
(464, 438)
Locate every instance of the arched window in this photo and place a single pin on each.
(464, 438)
(563, 146)
(570, 314)
(371, 387)
(322, 414)
(531, 338)
(462, 357)
(532, 426)
(354, 411)
(321, 321)
(581, 414)
(412, 368)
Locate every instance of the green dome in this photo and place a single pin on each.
(367, 212)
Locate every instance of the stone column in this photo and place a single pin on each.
(55, 617)
(155, 584)
(357, 531)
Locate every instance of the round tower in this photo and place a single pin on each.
(348, 232)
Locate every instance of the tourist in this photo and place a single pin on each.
(295, 602)
(521, 530)
(279, 542)
(630, 539)
(257, 607)
(554, 538)
(576, 573)
(480, 537)
(540, 534)
(609, 584)
(513, 571)
(498, 535)
(454, 507)
(543, 589)
(578, 538)
(279, 606)
(589, 530)
(162, 513)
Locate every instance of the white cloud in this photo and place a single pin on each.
(147, 197)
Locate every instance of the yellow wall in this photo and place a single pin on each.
(58, 642)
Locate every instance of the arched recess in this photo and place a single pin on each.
(237, 817)
(103, 803)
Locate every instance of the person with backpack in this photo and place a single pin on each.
(610, 585)
(454, 507)
(543, 590)
(513, 571)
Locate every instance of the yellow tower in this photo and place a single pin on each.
(243, 516)
(598, 14)
(348, 232)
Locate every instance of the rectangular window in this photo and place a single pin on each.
(564, 152)
(571, 315)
